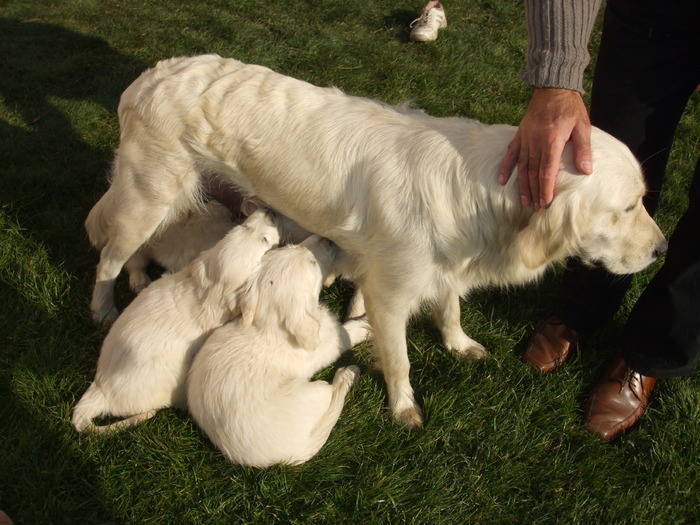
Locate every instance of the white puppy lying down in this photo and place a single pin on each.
(180, 243)
(249, 387)
(146, 355)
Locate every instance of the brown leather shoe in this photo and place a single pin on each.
(618, 400)
(551, 345)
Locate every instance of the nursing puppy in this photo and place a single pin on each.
(180, 243)
(248, 387)
(412, 198)
(145, 357)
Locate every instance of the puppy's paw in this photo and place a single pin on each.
(347, 375)
(106, 318)
(359, 330)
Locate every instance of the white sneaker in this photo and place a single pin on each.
(432, 18)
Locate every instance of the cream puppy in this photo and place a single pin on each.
(180, 243)
(146, 355)
(249, 387)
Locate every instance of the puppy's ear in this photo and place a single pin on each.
(303, 323)
(248, 302)
(248, 207)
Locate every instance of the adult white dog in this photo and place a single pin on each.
(412, 198)
(147, 353)
(248, 387)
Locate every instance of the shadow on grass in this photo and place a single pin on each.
(52, 172)
(401, 18)
(43, 476)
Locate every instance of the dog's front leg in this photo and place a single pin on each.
(356, 308)
(447, 317)
(389, 329)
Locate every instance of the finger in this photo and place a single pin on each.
(509, 161)
(548, 174)
(533, 180)
(547, 181)
(583, 157)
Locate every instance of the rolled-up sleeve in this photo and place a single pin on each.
(558, 35)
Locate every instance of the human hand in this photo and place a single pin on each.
(552, 118)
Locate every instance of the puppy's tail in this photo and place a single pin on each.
(94, 404)
(97, 221)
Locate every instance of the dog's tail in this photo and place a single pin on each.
(97, 221)
(94, 404)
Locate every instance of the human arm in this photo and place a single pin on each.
(558, 35)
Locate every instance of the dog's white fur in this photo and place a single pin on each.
(180, 243)
(412, 198)
(249, 388)
(145, 357)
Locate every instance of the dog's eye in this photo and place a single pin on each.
(632, 208)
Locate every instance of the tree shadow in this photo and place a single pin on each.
(52, 173)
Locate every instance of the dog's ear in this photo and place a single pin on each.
(303, 324)
(248, 206)
(548, 236)
(248, 302)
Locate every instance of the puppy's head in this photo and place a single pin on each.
(231, 261)
(243, 246)
(284, 292)
(290, 231)
(599, 217)
(262, 224)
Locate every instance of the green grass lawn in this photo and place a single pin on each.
(500, 444)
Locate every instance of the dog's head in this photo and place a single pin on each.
(284, 292)
(599, 217)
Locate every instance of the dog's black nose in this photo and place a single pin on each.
(661, 249)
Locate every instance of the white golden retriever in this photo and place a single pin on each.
(146, 355)
(412, 198)
(180, 243)
(249, 386)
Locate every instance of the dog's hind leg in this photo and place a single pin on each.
(343, 380)
(123, 424)
(143, 203)
(133, 226)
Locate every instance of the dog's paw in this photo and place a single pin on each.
(464, 346)
(403, 404)
(409, 418)
(474, 353)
